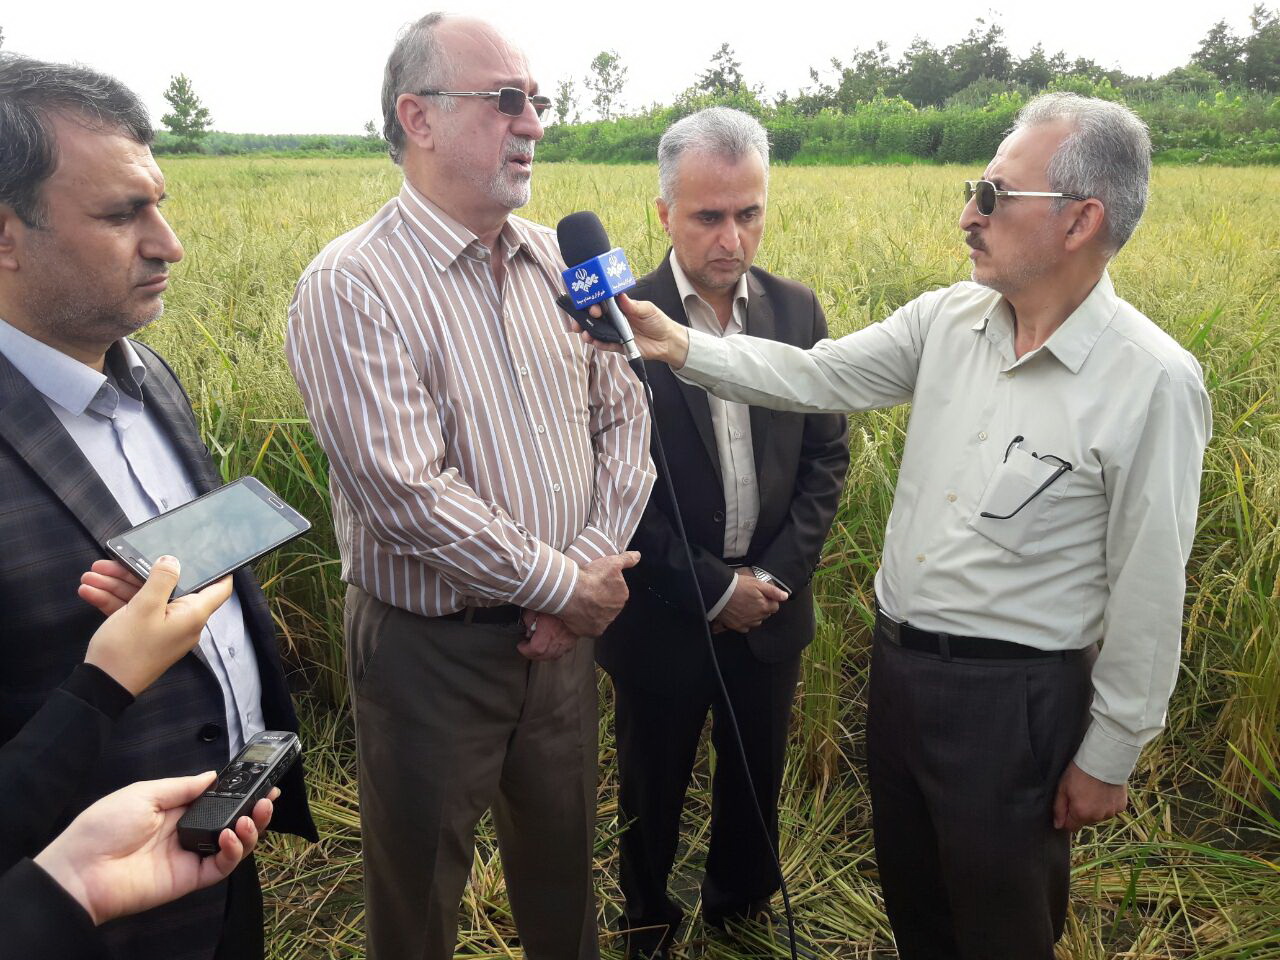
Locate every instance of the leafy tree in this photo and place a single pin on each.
(1262, 50)
(605, 82)
(190, 120)
(724, 75)
(1220, 52)
(566, 102)
(1189, 79)
(869, 74)
(980, 54)
(1035, 70)
(927, 80)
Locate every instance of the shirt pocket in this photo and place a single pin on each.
(1015, 479)
(558, 368)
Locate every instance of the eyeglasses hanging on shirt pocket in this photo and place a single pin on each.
(1016, 506)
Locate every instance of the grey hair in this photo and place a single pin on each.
(33, 91)
(1107, 155)
(417, 62)
(719, 131)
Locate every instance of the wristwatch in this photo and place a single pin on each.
(764, 576)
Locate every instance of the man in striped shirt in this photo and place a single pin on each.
(487, 469)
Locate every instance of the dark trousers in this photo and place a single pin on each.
(657, 739)
(450, 721)
(242, 937)
(964, 759)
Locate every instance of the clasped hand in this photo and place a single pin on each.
(751, 604)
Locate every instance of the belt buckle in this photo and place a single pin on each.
(888, 628)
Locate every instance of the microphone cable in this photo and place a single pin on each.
(637, 365)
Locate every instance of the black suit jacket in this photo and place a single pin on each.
(656, 643)
(40, 921)
(55, 515)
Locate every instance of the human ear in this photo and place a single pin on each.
(413, 117)
(1086, 225)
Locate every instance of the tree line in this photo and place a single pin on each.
(949, 103)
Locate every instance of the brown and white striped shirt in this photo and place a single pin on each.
(479, 452)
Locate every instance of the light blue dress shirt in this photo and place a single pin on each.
(134, 457)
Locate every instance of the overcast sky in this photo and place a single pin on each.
(285, 66)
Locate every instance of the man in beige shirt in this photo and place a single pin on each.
(1046, 501)
(487, 470)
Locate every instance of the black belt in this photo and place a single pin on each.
(949, 647)
(506, 613)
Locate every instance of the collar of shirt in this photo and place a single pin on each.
(685, 289)
(445, 239)
(1072, 342)
(72, 385)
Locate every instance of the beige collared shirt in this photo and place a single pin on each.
(732, 425)
(1099, 554)
(479, 451)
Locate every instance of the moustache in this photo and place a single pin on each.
(975, 241)
(518, 147)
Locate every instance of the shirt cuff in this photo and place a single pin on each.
(550, 583)
(1105, 758)
(724, 598)
(99, 689)
(704, 363)
(590, 544)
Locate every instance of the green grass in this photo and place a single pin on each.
(1191, 870)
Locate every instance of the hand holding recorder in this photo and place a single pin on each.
(121, 855)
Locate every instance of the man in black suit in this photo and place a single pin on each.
(758, 490)
(96, 435)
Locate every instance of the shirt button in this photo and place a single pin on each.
(210, 732)
(919, 558)
(231, 652)
(524, 371)
(541, 428)
(951, 498)
(746, 481)
(737, 434)
(982, 435)
(751, 524)
(555, 488)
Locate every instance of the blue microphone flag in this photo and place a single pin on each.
(599, 278)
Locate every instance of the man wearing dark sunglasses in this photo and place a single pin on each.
(487, 472)
(1046, 501)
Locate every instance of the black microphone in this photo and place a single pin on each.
(597, 273)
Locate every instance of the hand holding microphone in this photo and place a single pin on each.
(606, 317)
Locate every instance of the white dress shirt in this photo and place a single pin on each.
(1099, 554)
(135, 459)
(731, 423)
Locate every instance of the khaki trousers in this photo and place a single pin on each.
(450, 721)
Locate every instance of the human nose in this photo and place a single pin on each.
(160, 242)
(970, 218)
(528, 124)
(729, 237)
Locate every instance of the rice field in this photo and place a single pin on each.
(1191, 870)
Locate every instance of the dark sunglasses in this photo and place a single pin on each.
(986, 193)
(511, 100)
